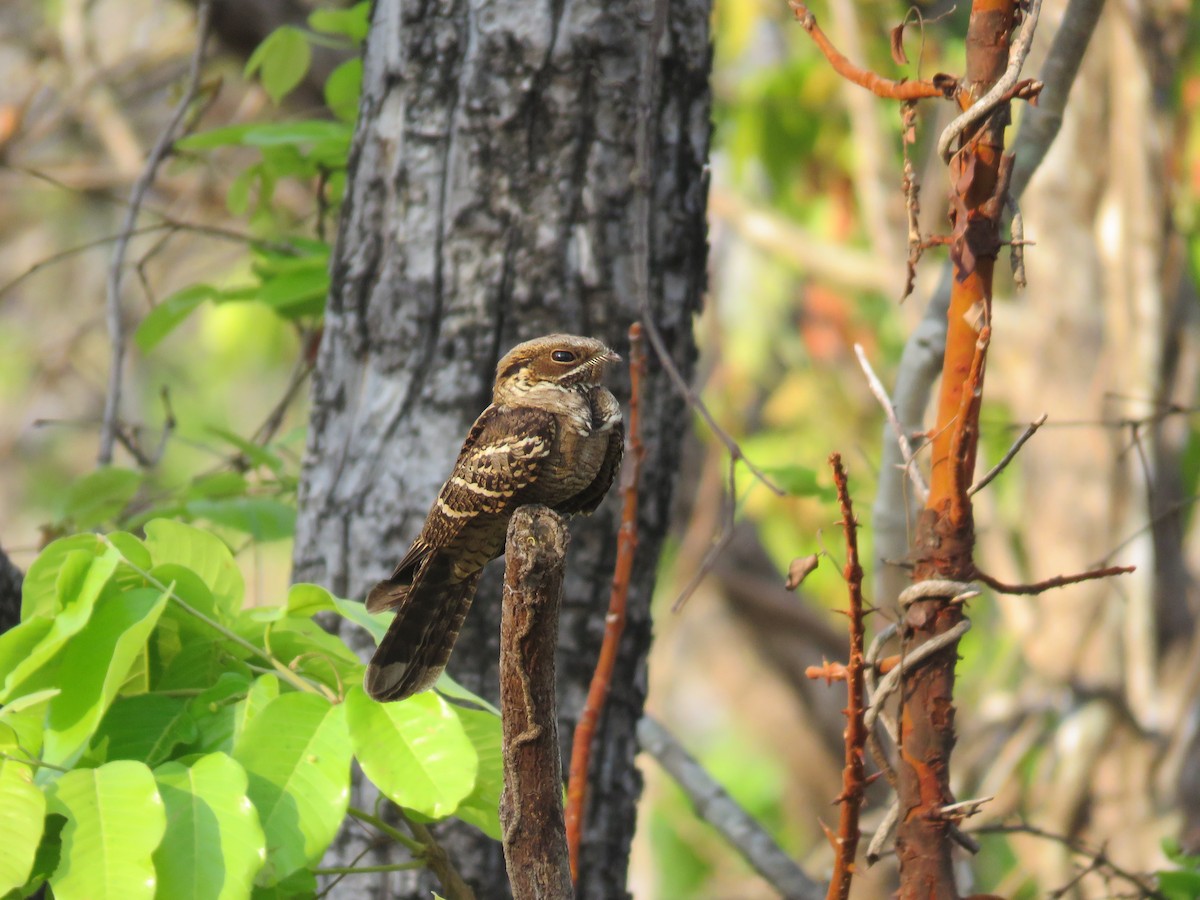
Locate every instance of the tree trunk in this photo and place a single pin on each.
(489, 201)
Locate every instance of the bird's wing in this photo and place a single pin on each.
(589, 498)
(503, 454)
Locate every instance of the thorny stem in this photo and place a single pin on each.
(853, 772)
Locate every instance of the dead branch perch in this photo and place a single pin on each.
(722, 812)
(531, 811)
(614, 622)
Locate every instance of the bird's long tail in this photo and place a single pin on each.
(417, 645)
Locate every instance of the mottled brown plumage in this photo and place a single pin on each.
(552, 435)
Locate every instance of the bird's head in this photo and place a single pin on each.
(562, 360)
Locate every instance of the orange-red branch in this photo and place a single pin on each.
(941, 86)
(1057, 581)
(853, 772)
(614, 623)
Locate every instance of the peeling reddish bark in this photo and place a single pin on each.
(946, 535)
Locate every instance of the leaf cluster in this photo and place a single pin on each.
(157, 738)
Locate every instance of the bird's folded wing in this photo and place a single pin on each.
(504, 453)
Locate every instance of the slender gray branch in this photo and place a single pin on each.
(116, 268)
(721, 811)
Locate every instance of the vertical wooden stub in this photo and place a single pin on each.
(531, 809)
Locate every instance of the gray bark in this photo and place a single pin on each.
(490, 201)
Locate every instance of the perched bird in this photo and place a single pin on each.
(552, 435)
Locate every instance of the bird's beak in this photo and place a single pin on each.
(611, 357)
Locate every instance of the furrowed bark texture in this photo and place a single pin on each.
(489, 201)
(531, 806)
(946, 535)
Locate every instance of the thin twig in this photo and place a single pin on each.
(716, 807)
(642, 179)
(999, 467)
(1057, 581)
(941, 86)
(1001, 90)
(719, 545)
(853, 771)
(116, 325)
(439, 863)
(1143, 883)
(614, 621)
(889, 410)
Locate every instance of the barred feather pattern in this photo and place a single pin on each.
(552, 435)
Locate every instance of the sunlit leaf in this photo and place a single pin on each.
(22, 815)
(415, 751)
(482, 806)
(203, 553)
(115, 820)
(297, 755)
(37, 641)
(93, 668)
(214, 844)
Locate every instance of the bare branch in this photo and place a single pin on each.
(721, 811)
(162, 146)
(889, 411)
(1008, 457)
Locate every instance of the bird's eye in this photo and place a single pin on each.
(563, 356)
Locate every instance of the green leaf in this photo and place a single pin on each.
(300, 884)
(343, 88)
(147, 727)
(100, 496)
(33, 644)
(1179, 885)
(115, 820)
(306, 600)
(214, 844)
(260, 456)
(296, 294)
(39, 590)
(448, 687)
(304, 647)
(416, 751)
(22, 816)
(356, 611)
(303, 133)
(170, 314)
(282, 60)
(263, 518)
(203, 553)
(482, 806)
(217, 485)
(354, 22)
(297, 754)
(94, 665)
(264, 690)
(214, 711)
(799, 481)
